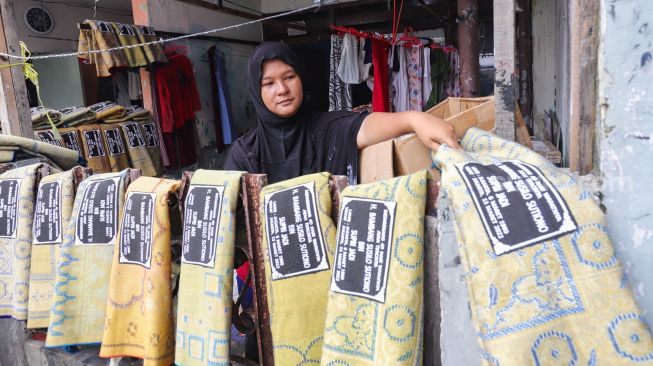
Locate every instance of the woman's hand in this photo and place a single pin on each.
(431, 131)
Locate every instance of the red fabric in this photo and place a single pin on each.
(180, 146)
(243, 271)
(177, 93)
(381, 92)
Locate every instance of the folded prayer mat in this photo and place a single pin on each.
(40, 115)
(154, 52)
(137, 149)
(132, 113)
(151, 135)
(206, 278)
(107, 110)
(545, 284)
(140, 319)
(103, 37)
(48, 137)
(73, 116)
(298, 246)
(82, 278)
(116, 150)
(60, 157)
(53, 211)
(95, 150)
(375, 309)
(71, 139)
(127, 37)
(17, 187)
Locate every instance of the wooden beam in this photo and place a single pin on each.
(14, 104)
(504, 63)
(584, 23)
(468, 48)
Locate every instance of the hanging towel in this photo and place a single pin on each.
(61, 158)
(222, 103)
(298, 246)
(154, 52)
(108, 110)
(48, 137)
(149, 130)
(116, 151)
(414, 56)
(17, 189)
(137, 149)
(95, 151)
(544, 281)
(339, 91)
(82, 279)
(127, 37)
(206, 278)
(375, 308)
(74, 116)
(139, 318)
(71, 140)
(53, 211)
(400, 82)
(381, 92)
(104, 37)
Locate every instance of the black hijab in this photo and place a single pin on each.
(288, 147)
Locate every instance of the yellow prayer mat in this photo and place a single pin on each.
(375, 308)
(150, 132)
(140, 320)
(154, 52)
(17, 189)
(298, 246)
(545, 284)
(132, 113)
(127, 37)
(206, 279)
(116, 150)
(73, 116)
(103, 37)
(60, 157)
(139, 155)
(95, 150)
(82, 279)
(107, 110)
(53, 210)
(71, 139)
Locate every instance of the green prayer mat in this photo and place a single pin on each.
(61, 157)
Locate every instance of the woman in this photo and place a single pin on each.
(290, 140)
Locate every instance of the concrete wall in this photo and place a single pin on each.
(275, 6)
(625, 137)
(60, 82)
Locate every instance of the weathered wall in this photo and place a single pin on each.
(57, 75)
(275, 6)
(625, 137)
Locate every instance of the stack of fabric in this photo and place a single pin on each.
(132, 113)
(40, 117)
(75, 116)
(14, 149)
(108, 110)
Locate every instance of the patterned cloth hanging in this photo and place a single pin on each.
(339, 91)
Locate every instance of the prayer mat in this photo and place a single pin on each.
(40, 116)
(150, 133)
(116, 150)
(73, 116)
(127, 37)
(48, 137)
(71, 140)
(102, 38)
(53, 210)
(61, 158)
(298, 246)
(545, 284)
(137, 149)
(206, 279)
(82, 279)
(107, 110)
(140, 318)
(375, 309)
(154, 52)
(95, 151)
(17, 189)
(132, 113)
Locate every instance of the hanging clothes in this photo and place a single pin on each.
(127, 37)
(400, 83)
(156, 117)
(352, 68)
(153, 52)
(225, 128)
(177, 93)
(339, 91)
(452, 84)
(414, 74)
(439, 74)
(427, 84)
(381, 93)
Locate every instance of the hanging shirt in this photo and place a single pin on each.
(339, 91)
(414, 72)
(381, 93)
(427, 85)
(400, 83)
(177, 93)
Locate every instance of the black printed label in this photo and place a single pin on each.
(295, 239)
(97, 218)
(125, 29)
(133, 109)
(48, 136)
(363, 248)
(103, 26)
(151, 138)
(69, 110)
(103, 106)
(71, 141)
(47, 214)
(114, 141)
(94, 145)
(133, 135)
(148, 31)
(9, 190)
(517, 204)
(201, 222)
(136, 229)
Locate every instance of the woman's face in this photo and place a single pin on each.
(281, 88)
